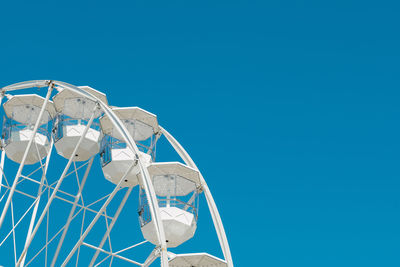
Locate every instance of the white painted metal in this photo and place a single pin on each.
(107, 233)
(53, 195)
(76, 109)
(42, 182)
(172, 180)
(3, 156)
(145, 177)
(152, 257)
(12, 190)
(25, 109)
(121, 129)
(83, 236)
(71, 213)
(112, 254)
(26, 85)
(141, 125)
(210, 200)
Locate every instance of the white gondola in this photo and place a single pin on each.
(74, 112)
(177, 187)
(116, 157)
(22, 112)
(88, 211)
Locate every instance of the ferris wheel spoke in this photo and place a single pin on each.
(6, 186)
(57, 186)
(78, 168)
(4, 194)
(32, 172)
(71, 213)
(65, 193)
(111, 254)
(47, 229)
(111, 261)
(78, 183)
(51, 240)
(210, 200)
(20, 192)
(2, 158)
(115, 218)
(39, 193)
(132, 246)
(115, 254)
(13, 232)
(79, 248)
(41, 160)
(83, 207)
(123, 135)
(152, 257)
(27, 178)
(108, 237)
(103, 260)
(98, 200)
(21, 166)
(15, 226)
(102, 209)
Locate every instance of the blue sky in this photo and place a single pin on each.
(289, 108)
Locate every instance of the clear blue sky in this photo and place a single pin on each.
(289, 108)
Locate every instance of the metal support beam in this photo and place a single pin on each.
(3, 154)
(53, 195)
(128, 192)
(96, 218)
(152, 257)
(145, 177)
(39, 193)
(71, 213)
(21, 166)
(210, 200)
(111, 254)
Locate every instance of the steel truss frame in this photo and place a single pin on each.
(53, 191)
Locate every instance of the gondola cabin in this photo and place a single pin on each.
(118, 160)
(22, 112)
(73, 114)
(177, 187)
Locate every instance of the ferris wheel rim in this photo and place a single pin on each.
(153, 204)
(145, 175)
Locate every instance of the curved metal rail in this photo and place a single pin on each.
(146, 181)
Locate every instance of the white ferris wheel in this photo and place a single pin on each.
(60, 204)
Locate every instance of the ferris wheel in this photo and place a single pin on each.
(69, 164)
